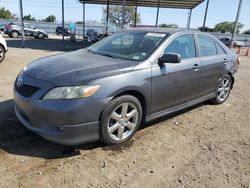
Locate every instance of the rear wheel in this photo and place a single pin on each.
(223, 90)
(41, 36)
(2, 54)
(14, 34)
(120, 119)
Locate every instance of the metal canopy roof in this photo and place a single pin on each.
(178, 4)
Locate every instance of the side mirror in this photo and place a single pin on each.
(170, 58)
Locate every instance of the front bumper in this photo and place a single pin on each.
(66, 135)
(68, 122)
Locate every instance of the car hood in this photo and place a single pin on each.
(77, 67)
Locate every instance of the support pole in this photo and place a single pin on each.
(189, 18)
(21, 17)
(135, 20)
(157, 14)
(236, 22)
(63, 17)
(205, 16)
(107, 18)
(83, 20)
(123, 13)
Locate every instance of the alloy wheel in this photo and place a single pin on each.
(14, 34)
(223, 89)
(122, 121)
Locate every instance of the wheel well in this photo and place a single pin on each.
(15, 31)
(140, 97)
(232, 78)
(3, 47)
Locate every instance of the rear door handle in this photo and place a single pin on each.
(196, 67)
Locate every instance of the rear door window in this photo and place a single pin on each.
(220, 50)
(206, 46)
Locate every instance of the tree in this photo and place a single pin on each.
(247, 32)
(50, 18)
(115, 15)
(224, 27)
(29, 18)
(206, 29)
(6, 14)
(168, 25)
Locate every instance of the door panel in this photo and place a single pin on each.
(174, 84)
(177, 83)
(212, 69)
(213, 62)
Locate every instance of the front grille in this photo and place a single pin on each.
(26, 90)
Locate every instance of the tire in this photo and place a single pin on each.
(41, 36)
(57, 33)
(2, 54)
(223, 89)
(115, 125)
(14, 34)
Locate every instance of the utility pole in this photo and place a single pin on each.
(21, 17)
(205, 16)
(63, 17)
(236, 22)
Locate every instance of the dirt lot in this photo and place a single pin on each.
(205, 146)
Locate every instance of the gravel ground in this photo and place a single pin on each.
(204, 146)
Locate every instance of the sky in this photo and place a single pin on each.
(218, 11)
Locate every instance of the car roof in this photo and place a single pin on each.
(163, 30)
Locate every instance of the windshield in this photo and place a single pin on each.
(131, 45)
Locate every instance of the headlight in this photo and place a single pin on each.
(72, 92)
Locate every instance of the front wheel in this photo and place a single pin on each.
(14, 34)
(120, 119)
(223, 90)
(2, 54)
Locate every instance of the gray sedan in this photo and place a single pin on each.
(105, 91)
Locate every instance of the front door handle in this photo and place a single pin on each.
(196, 67)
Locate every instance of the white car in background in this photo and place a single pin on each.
(3, 48)
(238, 43)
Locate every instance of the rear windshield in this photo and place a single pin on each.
(131, 45)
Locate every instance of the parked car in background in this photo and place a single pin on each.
(14, 30)
(105, 91)
(93, 35)
(228, 42)
(3, 48)
(2, 26)
(61, 30)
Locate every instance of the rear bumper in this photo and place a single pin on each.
(66, 135)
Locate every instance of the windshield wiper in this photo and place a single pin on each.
(108, 55)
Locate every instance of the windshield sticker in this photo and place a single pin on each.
(156, 34)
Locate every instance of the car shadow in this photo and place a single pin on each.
(47, 44)
(18, 140)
